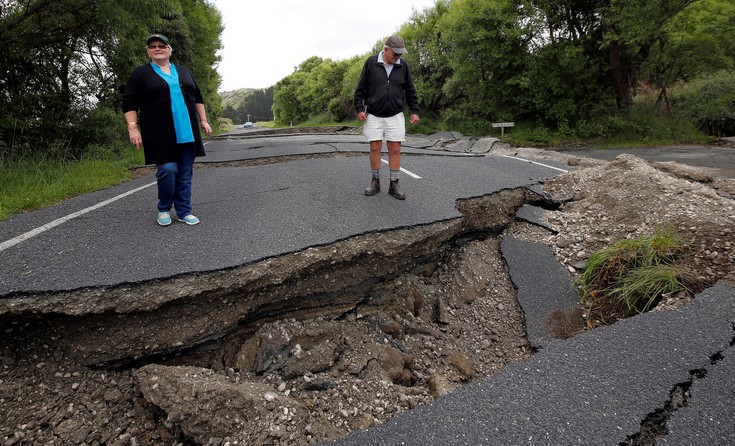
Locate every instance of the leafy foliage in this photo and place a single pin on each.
(710, 103)
(313, 89)
(568, 66)
(63, 59)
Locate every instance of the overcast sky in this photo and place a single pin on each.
(265, 40)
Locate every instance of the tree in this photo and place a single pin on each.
(428, 56)
(691, 45)
(631, 29)
(309, 90)
(65, 62)
(486, 46)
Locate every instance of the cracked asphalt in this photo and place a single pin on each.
(596, 388)
(658, 378)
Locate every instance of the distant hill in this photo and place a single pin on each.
(253, 104)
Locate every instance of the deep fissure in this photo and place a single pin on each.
(332, 281)
(326, 324)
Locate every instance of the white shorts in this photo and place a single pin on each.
(390, 129)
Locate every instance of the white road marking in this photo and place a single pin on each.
(404, 170)
(534, 162)
(34, 232)
(41, 229)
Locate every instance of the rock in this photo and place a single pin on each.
(364, 422)
(440, 385)
(392, 328)
(245, 359)
(442, 315)
(397, 366)
(204, 404)
(684, 171)
(462, 364)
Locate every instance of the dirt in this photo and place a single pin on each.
(310, 346)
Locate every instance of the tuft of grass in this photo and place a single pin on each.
(635, 273)
(42, 181)
(641, 287)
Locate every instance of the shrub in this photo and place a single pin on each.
(709, 102)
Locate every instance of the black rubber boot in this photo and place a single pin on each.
(374, 187)
(395, 191)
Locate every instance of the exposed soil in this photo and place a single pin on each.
(309, 346)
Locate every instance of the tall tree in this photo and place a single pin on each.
(64, 62)
(691, 45)
(428, 56)
(486, 46)
(631, 29)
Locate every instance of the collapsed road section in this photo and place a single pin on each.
(323, 342)
(289, 350)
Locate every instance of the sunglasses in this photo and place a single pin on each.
(160, 47)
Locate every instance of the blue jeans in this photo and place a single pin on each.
(174, 182)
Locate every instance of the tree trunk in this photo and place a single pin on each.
(623, 93)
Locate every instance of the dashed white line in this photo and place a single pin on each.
(34, 232)
(534, 162)
(409, 173)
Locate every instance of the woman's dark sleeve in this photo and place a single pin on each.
(130, 101)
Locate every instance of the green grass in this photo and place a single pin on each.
(641, 287)
(31, 184)
(635, 273)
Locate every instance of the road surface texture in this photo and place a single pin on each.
(111, 324)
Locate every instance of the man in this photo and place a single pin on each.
(384, 82)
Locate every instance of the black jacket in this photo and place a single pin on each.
(148, 94)
(382, 96)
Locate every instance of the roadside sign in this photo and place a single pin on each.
(502, 126)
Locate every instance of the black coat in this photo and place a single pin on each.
(382, 96)
(148, 94)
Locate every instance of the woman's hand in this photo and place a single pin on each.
(206, 127)
(135, 137)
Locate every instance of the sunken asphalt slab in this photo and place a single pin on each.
(595, 388)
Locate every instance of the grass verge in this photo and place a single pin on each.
(39, 182)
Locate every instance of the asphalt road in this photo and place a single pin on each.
(248, 212)
(597, 388)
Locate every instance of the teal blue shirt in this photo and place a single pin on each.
(182, 122)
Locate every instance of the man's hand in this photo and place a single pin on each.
(361, 116)
(414, 118)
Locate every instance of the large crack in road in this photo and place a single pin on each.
(119, 324)
(315, 344)
(337, 337)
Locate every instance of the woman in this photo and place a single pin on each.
(170, 106)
